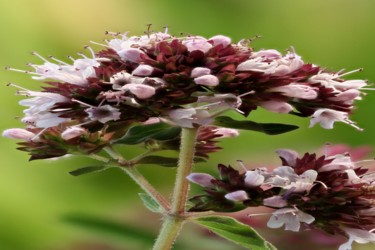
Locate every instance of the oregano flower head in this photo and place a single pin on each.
(182, 81)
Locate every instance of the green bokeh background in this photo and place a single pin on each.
(36, 196)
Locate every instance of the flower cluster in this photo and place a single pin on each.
(183, 81)
(331, 193)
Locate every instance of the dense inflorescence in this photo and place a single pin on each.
(182, 81)
(331, 193)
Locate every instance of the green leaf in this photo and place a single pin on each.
(164, 161)
(142, 133)
(150, 203)
(267, 128)
(235, 231)
(87, 170)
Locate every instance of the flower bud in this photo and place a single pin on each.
(253, 179)
(276, 106)
(143, 70)
(197, 43)
(18, 133)
(142, 91)
(226, 132)
(220, 39)
(200, 71)
(132, 54)
(207, 80)
(201, 179)
(239, 195)
(72, 132)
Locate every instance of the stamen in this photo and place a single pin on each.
(351, 123)
(259, 214)
(17, 86)
(165, 29)
(100, 44)
(41, 57)
(112, 33)
(20, 70)
(247, 93)
(350, 72)
(85, 104)
(91, 50)
(71, 58)
(57, 60)
(83, 55)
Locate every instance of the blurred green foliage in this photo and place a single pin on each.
(35, 196)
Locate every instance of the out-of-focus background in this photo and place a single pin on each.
(38, 199)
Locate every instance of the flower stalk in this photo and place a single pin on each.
(174, 221)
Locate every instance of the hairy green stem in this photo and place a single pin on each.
(139, 179)
(174, 221)
(147, 187)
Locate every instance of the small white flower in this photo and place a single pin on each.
(327, 117)
(40, 107)
(239, 195)
(201, 179)
(340, 162)
(286, 178)
(296, 91)
(103, 113)
(288, 64)
(267, 54)
(290, 217)
(186, 118)
(358, 235)
(74, 74)
(18, 133)
(258, 65)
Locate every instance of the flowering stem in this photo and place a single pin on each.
(139, 179)
(173, 222)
